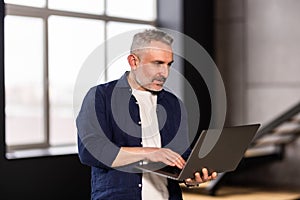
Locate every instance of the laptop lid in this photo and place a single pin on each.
(219, 150)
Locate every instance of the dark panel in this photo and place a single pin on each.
(59, 177)
(198, 24)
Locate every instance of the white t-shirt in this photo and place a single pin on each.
(153, 186)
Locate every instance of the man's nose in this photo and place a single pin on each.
(164, 70)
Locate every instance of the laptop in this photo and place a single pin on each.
(218, 150)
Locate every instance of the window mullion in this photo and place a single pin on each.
(46, 84)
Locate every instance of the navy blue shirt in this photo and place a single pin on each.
(108, 120)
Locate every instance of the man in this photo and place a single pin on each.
(133, 120)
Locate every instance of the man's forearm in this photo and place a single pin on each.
(128, 155)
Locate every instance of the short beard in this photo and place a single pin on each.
(161, 79)
(147, 89)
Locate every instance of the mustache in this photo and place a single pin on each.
(160, 78)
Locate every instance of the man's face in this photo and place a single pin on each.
(153, 65)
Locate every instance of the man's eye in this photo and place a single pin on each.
(157, 63)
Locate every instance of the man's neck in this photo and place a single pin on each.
(132, 82)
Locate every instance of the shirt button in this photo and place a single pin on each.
(140, 122)
(140, 185)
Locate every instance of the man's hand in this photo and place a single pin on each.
(166, 156)
(202, 177)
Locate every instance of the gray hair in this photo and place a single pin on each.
(143, 39)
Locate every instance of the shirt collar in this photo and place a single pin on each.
(123, 82)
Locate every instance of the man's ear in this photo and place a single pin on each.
(132, 61)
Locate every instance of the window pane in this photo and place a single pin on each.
(24, 80)
(85, 6)
(34, 3)
(118, 63)
(71, 40)
(134, 9)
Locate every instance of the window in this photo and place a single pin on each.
(46, 43)
(24, 80)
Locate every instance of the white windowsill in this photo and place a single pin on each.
(51, 151)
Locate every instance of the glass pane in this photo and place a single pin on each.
(85, 6)
(118, 61)
(34, 3)
(24, 80)
(71, 40)
(134, 9)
